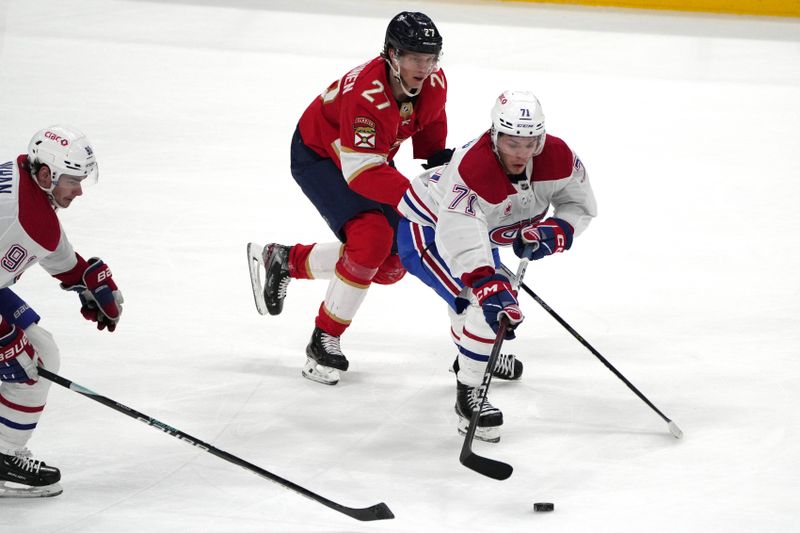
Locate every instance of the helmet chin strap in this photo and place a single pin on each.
(49, 190)
(51, 196)
(394, 66)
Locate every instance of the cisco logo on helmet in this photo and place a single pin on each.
(57, 138)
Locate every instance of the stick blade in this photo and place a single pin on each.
(675, 430)
(488, 467)
(378, 511)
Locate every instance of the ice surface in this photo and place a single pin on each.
(687, 281)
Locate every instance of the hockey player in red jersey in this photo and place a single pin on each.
(495, 191)
(341, 156)
(59, 162)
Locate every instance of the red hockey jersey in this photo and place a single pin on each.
(358, 123)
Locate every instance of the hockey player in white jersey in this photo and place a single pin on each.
(495, 191)
(59, 162)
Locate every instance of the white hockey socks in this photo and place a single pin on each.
(321, 262)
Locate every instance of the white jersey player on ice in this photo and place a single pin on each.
(495, 191)
(59, 162)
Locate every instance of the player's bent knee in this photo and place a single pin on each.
(42, 340)
(369, 239)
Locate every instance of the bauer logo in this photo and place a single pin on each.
(21, 309)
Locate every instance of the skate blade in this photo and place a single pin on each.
(486, 434)
(321, 374)
(255, 261)
(9, 489)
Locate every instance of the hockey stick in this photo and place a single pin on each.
(379, 511)
(484, 465)
(673, 427)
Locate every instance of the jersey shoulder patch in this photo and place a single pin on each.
(36, 215)
(555, 162)
(481, 171)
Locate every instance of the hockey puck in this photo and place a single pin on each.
(543, 507)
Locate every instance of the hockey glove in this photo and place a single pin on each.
(18, 358)
(439, 158)
(101, 300)
(547, 237)
(497, 298)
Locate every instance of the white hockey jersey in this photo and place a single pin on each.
(30, 231)
(475, 206)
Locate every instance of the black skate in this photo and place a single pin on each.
(467, 401)
(507, 367)
(274, 259)
(24, 477)
(276, 262)
(325, 358)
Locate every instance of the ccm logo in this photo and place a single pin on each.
(57, 138)
(487, 291)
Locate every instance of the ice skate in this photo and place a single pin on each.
(467, 401)
(508, 367)
(270, 293)
(325, 359)
(21, 476)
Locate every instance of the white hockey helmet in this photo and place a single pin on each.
(65, 151)
(518, 113)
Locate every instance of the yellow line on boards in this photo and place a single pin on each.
(775, 8)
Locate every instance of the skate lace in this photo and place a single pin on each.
(505, 365)
(474, 400)
(283, 284)
(24, 460)
(331, 344)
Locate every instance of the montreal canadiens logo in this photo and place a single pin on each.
(504, 235)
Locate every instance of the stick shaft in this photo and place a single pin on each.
(484, 465)
(376, 512)
(592, 350)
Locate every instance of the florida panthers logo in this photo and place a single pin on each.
(364, 133)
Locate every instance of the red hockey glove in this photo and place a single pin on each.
(547, 237)
(497, 298)
(101, 300)
(18, 358)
